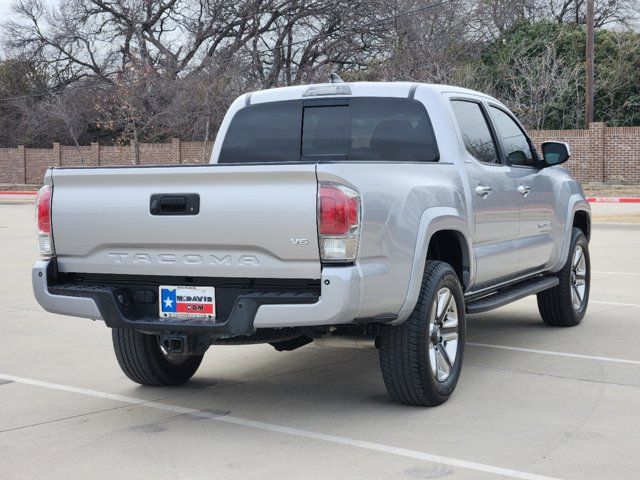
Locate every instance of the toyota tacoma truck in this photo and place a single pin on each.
(344, 214)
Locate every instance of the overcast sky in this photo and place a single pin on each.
(5, 8)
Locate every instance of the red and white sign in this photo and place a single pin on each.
(183, 301)
(613, 199)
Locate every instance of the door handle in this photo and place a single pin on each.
(523, 190)
(483, 190)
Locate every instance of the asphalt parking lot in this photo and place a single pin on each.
(533, 401)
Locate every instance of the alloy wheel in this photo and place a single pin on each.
(443, 334)
(578, 278)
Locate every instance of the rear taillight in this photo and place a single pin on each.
(43, 220)
(338, 223)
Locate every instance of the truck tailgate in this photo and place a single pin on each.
(255, 221)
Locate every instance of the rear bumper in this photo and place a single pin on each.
(338, 303)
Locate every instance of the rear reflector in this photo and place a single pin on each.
(43, 220)
(338, 223)
(339, 249)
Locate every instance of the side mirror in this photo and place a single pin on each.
(555, 153)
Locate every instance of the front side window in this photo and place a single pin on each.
(515, 143)
(475, 131)
(353, 129)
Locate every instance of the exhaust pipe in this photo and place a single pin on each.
(347, 341)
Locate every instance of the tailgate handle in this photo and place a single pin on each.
(175, 204)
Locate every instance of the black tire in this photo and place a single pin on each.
(556, 304)
(141, 359)
(405, 349)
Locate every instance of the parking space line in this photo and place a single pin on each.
(557, 354)
(297, 432)
(619, 304)
(617, 273)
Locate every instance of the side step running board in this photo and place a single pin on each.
(511, 294)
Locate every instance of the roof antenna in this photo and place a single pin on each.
(334, 78)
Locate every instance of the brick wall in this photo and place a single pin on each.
(622, 143)
(600, 154)
(12, 165)
(14, 161)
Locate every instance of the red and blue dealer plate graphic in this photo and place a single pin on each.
(187, 302)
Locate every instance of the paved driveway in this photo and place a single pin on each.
(533, 401)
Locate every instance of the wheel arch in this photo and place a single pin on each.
(578, 210)
(451, 246)
(582, 220)
(439, 226)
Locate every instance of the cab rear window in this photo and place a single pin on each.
(353, 129)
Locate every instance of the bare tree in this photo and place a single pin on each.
(622, 12)
(543, 85)
(491, 18)
(172, 38)
(131, 71)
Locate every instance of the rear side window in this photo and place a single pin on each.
(353, 129)
(267, 132)
(475, 131)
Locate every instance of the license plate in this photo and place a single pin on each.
(187, 302)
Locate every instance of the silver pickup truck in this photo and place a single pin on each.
(344, 214)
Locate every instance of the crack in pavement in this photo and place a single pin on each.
(551, 375)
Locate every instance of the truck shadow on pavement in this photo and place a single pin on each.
(248, 377)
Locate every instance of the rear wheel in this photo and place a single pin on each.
(565, 304)
(421, 359)
(145, 361)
